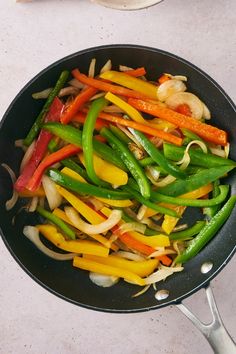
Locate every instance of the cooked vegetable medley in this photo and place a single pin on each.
(111, 164)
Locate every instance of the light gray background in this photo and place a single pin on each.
(32, 36)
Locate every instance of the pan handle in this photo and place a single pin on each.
(215, 332)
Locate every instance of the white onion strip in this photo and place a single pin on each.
(12, 201)
(89, 229)
(131, 256)
(91, 71)
(141, 292)
(27, 156)
(53, 197)
(162, 274)
(165, 181)
(132, 226)
(185, 161)
(33, 204)
(106, 67)
(32, 234)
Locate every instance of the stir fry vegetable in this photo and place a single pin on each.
(114, 184)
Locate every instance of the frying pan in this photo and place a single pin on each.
(74, 285)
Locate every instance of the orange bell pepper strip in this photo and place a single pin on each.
(83, 97)
(163, 78)
(25, 193)
(206, 131)
(105, 86)
(77, 246)
(96, 267)
(48, 161)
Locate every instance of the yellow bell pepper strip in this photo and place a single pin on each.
(117, 203)
(105, 242)
(129, 110)
(141, 268)
(96, 267)
(133, 83)
(88, 213)
(107, 171)
(76, 246)
(152, 241)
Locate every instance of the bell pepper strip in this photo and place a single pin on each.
(184, 109)
(72, 165)
(148, 231)
(103, 240)
(133, 83)
(197, 157)
(25, 193)
(80, 117)
(129, 110)
(107, 171)
(196, 181)
(40, 147)
(129, 160)
(144, 127)
(147, 161)
(39, 120)
(85, 188)
(57, 221)
(53, 144)
(208, 232)
(87, 264)
(76, 246)
(87, 140)
(158, 156)
(83, 97)
(158, 208)
(74, 136)
(153, 241)
(141, 268)
(66, 151)
(188, 233)
(163, 78)
(119, 134)
(212, 210)
(200, 203)
(207, 132)
(136, 72)
(105, 86)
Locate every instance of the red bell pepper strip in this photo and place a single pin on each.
(48, 161)
(41, 145)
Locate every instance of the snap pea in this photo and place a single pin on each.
(38, 122)
(190, 232)
(74, 136)
(85, 188)
(200, 203)
(197, 157)
(57, 221)
(195, 181)
(87, 140)
(158, 156)
(208, 232)
(130, 161)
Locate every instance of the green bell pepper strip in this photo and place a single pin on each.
(147, 161)
(53, 145)
(87, 139)
(130, 161)
(74, 136)
(148, 203)
(85, 188)
(224, 189)
(197, 157)
(147, 232)
(190, 232)
(119, 134)
(208, 232)
(39, 120)
(158, 156)
(212, 210)
(193, 182)
(191, 136)
(75, 167)
(57, 221)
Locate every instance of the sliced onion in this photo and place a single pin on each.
(20, 143)
(154, 173)
(162, 274)
(180, 227)
(132, 226)
(105, 281)
(67, 91)
(130, 135)
(131, 256)
(53, 197)
(32, 234)
(193, 102)
(206, 113)
(152, 224)
(227, 149)
(12, 201)
(169, 88)
(98, 95)
(124, 68)
(42, 94)
(106, 67)
(76, 83)
(113, 109)
(160, 253)
(131, 213)
(178, 77)
(218, 152)
(185, 161)
(89, 229)
(141, 212)
(91, 71)
(33, 204)
(98, 205)
(27, 155)
(165, 181)
(141, 292)
(138, 152)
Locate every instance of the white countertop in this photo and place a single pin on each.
(32, 36)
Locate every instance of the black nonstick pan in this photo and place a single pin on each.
(60, 277)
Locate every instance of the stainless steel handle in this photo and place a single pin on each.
(215, 332)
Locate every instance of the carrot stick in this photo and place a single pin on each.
(207, 132)
(141, 127)
(136, 72)
(105, 86)
(50, 160)
(78, 102)
(163, 78)
(80, 118)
